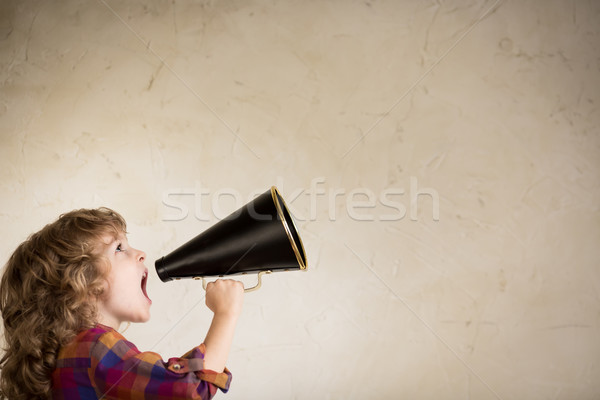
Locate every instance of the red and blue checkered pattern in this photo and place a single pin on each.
(101, 364)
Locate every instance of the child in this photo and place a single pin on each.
(63, 295)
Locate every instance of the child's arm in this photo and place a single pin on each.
(224, 298)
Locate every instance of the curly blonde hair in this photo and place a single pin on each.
(48, 294)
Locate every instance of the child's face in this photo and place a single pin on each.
(125, 297)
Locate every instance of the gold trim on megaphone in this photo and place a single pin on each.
(281, 208)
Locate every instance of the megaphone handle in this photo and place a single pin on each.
(251, 289)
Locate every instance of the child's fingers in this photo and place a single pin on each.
(225, 284)
(225, 295)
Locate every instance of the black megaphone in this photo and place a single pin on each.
(259, 237)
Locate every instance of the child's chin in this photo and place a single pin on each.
(145, 317)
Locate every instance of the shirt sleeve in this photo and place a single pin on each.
(120, 371)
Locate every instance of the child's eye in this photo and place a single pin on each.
(119, 248)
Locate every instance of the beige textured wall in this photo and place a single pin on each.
(489, 107)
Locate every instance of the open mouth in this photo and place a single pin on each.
(144, 282)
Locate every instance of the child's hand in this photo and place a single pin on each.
(225, 297)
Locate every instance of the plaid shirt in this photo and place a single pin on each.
(101, 364)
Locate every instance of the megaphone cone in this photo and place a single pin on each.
(259, 237)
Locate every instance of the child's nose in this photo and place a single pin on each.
(141, 256)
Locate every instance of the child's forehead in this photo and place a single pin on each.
(109, 238)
